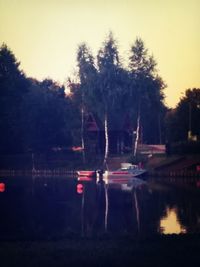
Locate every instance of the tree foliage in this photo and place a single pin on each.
(13, 86)
(185, 117)
(109, 81)
(146, 93)
(114, 93)
(36, 116)
(48, 116)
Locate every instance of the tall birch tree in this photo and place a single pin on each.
(146, 92)
(108, 87)
(86, 71)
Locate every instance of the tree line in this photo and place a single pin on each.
(39, 115)
(34, 116)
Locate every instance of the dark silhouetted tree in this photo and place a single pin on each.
(109, 85)
(48, 117)
(146, 95)
(87, 74)
(183, 121)
(13, 86)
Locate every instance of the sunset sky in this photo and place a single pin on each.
(44, 35)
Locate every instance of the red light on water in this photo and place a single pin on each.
(2, 187)
(79, 188)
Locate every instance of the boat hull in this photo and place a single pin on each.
(125, 174)
(86, 173)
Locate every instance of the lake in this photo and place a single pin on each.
(59, 207)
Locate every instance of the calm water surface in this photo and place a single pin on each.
(38, 207)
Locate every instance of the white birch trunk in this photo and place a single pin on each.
(106, 139)
(137, 134)
(82, 134)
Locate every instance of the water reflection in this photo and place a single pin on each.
(137, 209)
(60, 206)
(170, 224)
(106, 206)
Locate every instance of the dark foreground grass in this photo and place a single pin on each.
(161, 251)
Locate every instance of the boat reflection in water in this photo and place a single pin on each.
(61, 206)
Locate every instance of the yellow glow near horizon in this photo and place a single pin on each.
(44, 35)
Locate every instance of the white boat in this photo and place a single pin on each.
(126, 178)
(127, 170)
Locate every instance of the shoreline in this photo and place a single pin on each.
(72, 173)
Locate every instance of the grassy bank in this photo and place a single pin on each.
(182, 250)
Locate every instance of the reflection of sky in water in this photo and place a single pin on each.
(170, 224)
